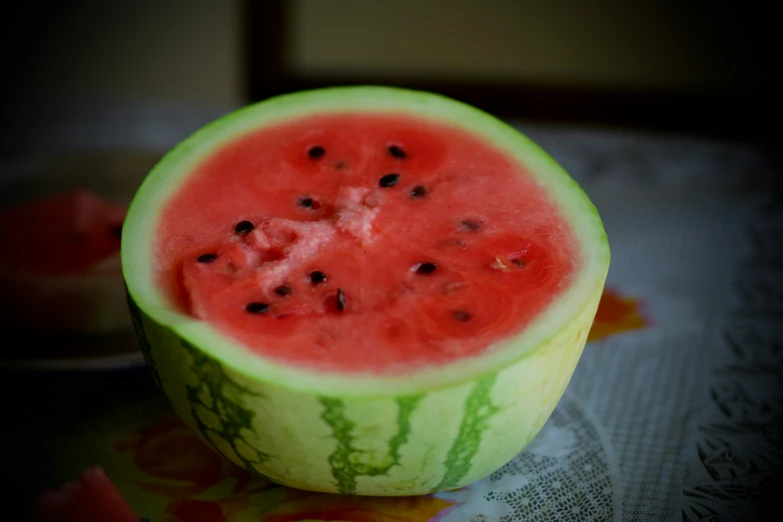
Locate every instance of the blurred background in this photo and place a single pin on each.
(660, 108)
(690, 66)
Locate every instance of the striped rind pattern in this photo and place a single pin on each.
(389, 445)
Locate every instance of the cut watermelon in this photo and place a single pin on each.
(65, 272)
(363, 290)
(92, 497)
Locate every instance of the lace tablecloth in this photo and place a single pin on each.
(674, 418)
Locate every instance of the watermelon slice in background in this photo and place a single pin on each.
(363, 290)
(91, 497)
(63, 273)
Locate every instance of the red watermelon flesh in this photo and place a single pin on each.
(363, 243)
(64, 234)
(92, 497)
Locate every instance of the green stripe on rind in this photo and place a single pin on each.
(215, 392)
(406, 407)
(168, 174)
(478, 410)
(342, 429)
(346, 460)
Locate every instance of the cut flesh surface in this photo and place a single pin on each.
(294, 242)
(369, 243)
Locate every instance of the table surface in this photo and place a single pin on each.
(681, 412)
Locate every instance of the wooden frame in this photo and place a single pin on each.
(729, 116)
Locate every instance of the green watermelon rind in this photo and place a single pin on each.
(394, 445)
(168, 174)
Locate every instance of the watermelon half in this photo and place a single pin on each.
(363, 290)
(62, 273)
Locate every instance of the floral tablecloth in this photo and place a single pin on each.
(568, 472)
(671, 413)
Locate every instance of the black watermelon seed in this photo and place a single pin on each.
(397, 152)
(116, 231)
(283, 290)
(257, 308)
(426, 268)
(341, 304)
(317, 277)
(306, 202)
(469, 224)
(418, 192)
(316, 152)
(518, 262)
(243, 227)
(389, 180)
(206, 258)
(461, 316)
